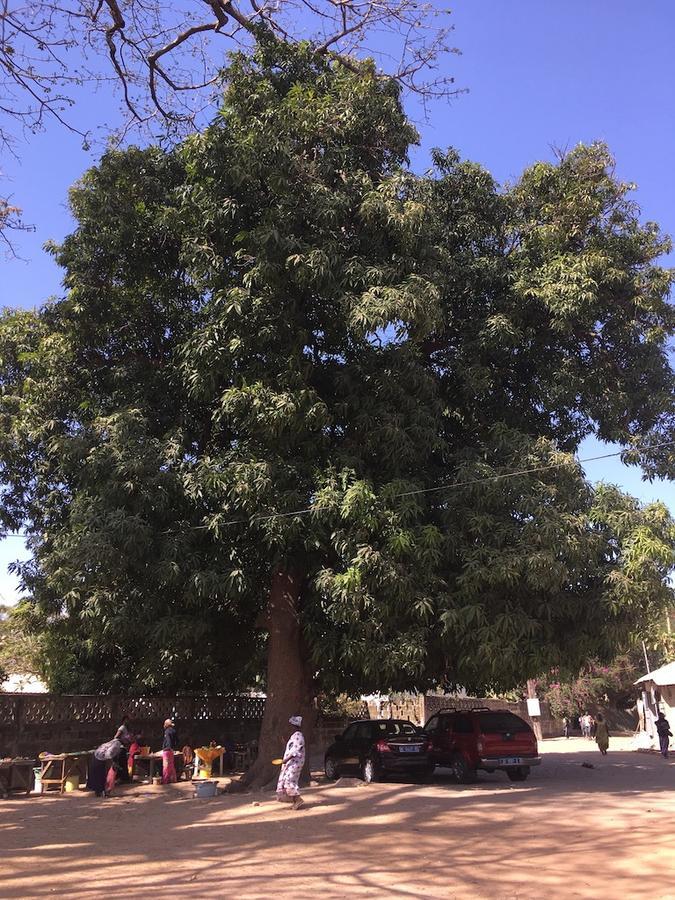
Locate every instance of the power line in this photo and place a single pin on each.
(436, 488)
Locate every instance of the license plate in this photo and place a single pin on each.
(409, 749)
(511, 761)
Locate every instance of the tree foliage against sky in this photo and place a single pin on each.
(165, 61)
(286, 366)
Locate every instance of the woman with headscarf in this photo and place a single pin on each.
(170, 744)
(291, 767)
(102, 768)
(601, 734)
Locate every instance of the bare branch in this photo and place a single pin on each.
(165, 58)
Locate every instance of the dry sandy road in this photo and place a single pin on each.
(569, 831)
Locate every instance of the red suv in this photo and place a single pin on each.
(482, 738)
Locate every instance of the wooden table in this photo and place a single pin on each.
(58, 767)
(16, 775)
(144, 766)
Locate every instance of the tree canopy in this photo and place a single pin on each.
(294, 386)
(165, 62)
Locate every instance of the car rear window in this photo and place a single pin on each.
(501, 722)
(393, 728)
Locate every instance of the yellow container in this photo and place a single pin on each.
(205, 773)
(72, 783)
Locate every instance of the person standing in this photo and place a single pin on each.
(664, 733)
(602, 734)
(169, 745)
(586, 726)
(125, 737)
(566, 726)
(291, 767)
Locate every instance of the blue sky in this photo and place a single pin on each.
(539, 75)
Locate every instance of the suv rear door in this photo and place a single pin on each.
(463, 737)
(505, 735)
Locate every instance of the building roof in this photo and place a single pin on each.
(663, 676)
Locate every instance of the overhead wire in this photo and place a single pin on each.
(434, 489)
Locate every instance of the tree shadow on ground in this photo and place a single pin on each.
(567, 826)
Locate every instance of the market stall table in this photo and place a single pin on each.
(207, 756)
(58, 767)
(16, 775)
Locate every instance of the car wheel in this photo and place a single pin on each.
(519, 774)
(463, 772)
(369, 771)
(330, 768)
(428, 773)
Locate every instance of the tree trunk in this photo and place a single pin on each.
(290, 689)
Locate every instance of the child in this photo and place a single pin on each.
(188, 761)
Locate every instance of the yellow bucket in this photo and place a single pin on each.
(205, 773)
(72, 783)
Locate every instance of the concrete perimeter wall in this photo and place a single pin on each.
(31, 723)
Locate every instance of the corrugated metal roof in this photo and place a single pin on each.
(664, 675)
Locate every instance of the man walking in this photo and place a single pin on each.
(664, 732)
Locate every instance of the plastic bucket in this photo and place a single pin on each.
(205, 773)
(205, 789)
(72, 783)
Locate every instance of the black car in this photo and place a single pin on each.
(377, 748)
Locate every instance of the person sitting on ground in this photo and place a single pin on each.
(664, 733)
(188, 761)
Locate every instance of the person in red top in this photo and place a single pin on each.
(134, 750)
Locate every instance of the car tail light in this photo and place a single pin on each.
(426, 746)
(382, 747)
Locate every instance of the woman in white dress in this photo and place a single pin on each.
(291, 768)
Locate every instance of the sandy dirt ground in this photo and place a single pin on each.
(569, 831)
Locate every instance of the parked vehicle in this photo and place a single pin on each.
(377, 748)
(466, 740)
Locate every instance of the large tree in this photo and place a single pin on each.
(295, 390)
